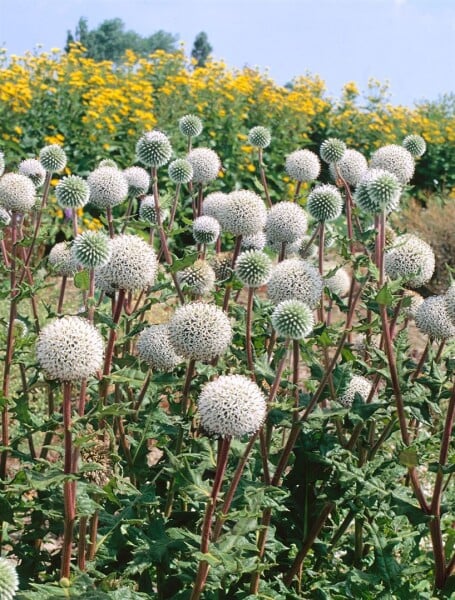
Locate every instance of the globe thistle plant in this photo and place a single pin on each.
(303, 165)
(70, 349)
(295, 279)
(415, 301)
(206, 164)
(108, 187)
(190, 125)
(206, 230)
(72, 192)
(180, 171)
(292, 319)
(358, 385)
(154, 149)
(62, 260)
(155, 349)
(53, 158)
(257, 241)
(34, 170)
(415, 145)
(214, 205)
(332, 150)
(9, 581)
(244, 213)
(395, 159)
(17, 193)
(433, 319)
(286, 222)
(138, 180)
(231, 406)
(253, 268)
(91, 249)
(351, 167)
(410, 258)
(259, 137)
(339, 283)
(325, 203)
(200, 331)
(198, 278)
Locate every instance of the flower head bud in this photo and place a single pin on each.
(286, 222)
(432, 318)
(17, 193)
(138, 180)
(34, 170)
(180, 171)
(253, 268)
(325, 203)
(259, 137)
(206, 164)
(154, 149)
(108, 187)
(295, 279)
(415, 145)
(395, 159)
(190, 125)
(378, 191)
(53, 158)
(72, 192)
(292, 319)
(147, 211)
(155, 349)
(206, 230)
(303, 165)
(91, 249)
(332, 150)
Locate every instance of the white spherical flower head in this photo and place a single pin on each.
(62, 260)
(34, 170)
(351, 167)
(132, 265)
(253, 268)
(358, 385)
(9, 581)
(259, 137)
(53, 158)
(17, 193)
(72, 192)
(206, 164)
(332, 150)
(290, 250)
(214, 205)
(378, 190)
(70, 349)
(5, 218)
(303, 165)
(108, 162)
(190, 125)
(410, 258)
(138, 180)
(244, 214)
(295, 279)
(222, 265)
(2, 163)
(154, 149)
(416, 300)
(325, 203)
(108, 187)
(180, 171)
(200, 331)
(206, 230)
(154, 348)
(415, 145)
(433, 319)
(231, 406)
(450, 303)
(395, 159)
(286, 222)
(198, 278)
(339, 283)
(92, 249)
(292, 319)
(257, 241)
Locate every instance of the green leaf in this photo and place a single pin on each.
(408, 457)
(82, 280)
(384, 296)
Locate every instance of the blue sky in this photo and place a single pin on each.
(410, 43)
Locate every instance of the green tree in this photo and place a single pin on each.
(201, 49)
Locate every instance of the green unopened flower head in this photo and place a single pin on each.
(332, 150)
(9, 581)
(34, 170)
(92, 249)
(206, 230)
(2, 163)
(206, 164)
(395, 159)
(17, 193)
(147, 211)
(180, 171)
(293, 319)
(138, 180)
(72, 192)
(303, 165)
(415, 145)
(379, 190)
(259, 137)
(325, 203)
(154, 149)
(253, 268)
(198, 278)
(190, 125)
(53, 158)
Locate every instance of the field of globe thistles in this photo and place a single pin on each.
(224, 373)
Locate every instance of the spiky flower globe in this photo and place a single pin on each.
(92, 249)
(53, 158)
(292, 319)
(70, 349)
(72, 192)
(206, 164)
(256, 241)
(410, 258)
(290, 250)
(147, 211)
(214, 205)
(108, 187)
(303, 165)
(154, 348)
(325, 203)
(5, 218)
(132, 265)
(351, 167)
(154, 149)
(34, 170)
(108, 162)
(244, 213)
(415, 301)
(415, 145)
(358, 385)
(17, 193)
(190, 125)
(222, 265)
(286, 222)
(379, 190)
(62, 260)
(206, 230)
(432, 318)
(138, 180)
(253, 268)
(2, 163)
(332, 150)
(231, 406)
(9, 581)
(96, 452)
(339, 283)
(259, 137)
(306, 251)
(200, 331)
(198, 278)
(180, 171)
(295, 279)
(395, 159)
(450, 303)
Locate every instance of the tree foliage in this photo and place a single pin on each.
(201, 49)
